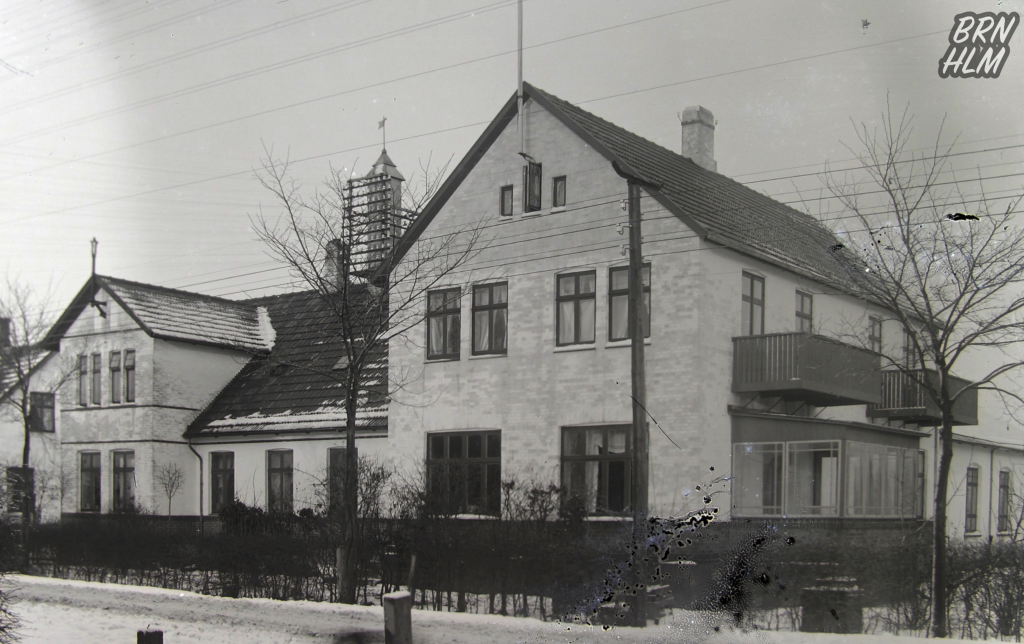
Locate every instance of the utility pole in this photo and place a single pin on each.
(641, 436)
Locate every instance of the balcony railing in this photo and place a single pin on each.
(905, 398)
(810, 368)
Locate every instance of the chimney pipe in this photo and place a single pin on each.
(698, 125)
(338, 263)
(5, 332)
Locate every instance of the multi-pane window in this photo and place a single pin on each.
(129, 375)
(558, 192)
(90, 482)
(443, 323)
(124, 481)
(883, 481)
(971, 501)
(83, 380)
(875, 334)
(490, 319)
(812, 478)
(757, 486)
(752, 312)
(464, 471)
(532, 187)
(577, 301)
(799, 478)
(619, 327)
(115, 377)
(279, 481)
(222, 480)
(506, 202)
(804, 312)
(97, 378)
(596, 466)
(41, 411)
(909, 350)
(1003, 522)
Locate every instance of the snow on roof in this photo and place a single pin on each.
(180, 315)
(297, 386)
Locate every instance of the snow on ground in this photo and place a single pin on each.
(57, 610)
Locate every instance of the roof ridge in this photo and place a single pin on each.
(556, 99)
(175, 291)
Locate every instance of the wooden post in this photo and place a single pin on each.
(641, 438)
(412, 576)
(149, 637)
(339, 568)
(397, 618)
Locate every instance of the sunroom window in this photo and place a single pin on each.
(802, 479)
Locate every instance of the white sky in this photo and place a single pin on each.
(140, 123)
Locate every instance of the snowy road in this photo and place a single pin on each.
(57, 611)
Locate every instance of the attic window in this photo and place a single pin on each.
(532, 187)
(506, 201)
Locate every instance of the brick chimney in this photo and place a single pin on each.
(5, 332)
(699, 136)
(338, 263)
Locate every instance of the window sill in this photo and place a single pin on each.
(575, 347)
(613, 344)
(557, 209)
(485, 356)
(972, 535)
(605, 518)
(531, 214)
(433, 360)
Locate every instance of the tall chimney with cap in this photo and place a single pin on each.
(699, 136)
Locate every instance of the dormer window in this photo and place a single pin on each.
(532, 178)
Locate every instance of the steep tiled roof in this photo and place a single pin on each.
(296, 387)
(719, 209)
(19, 359)
(179, 315)
(729, 213)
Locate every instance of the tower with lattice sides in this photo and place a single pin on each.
(375, 219)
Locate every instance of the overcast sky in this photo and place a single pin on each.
(140, 123)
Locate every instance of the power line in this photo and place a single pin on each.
(159, 62)
(260, 70)
(138, 32)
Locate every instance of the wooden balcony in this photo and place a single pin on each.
(803, 367)
(905, 399)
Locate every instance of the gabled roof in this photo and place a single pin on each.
(170, 314)
(719, 209)
(296, 387)
(26, 359)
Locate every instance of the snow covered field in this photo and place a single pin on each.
(56, 610)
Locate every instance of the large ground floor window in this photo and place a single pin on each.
(595, 467)
(804, 479)
(883, 481)
(464, 472)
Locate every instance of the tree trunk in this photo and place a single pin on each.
(27, 496)
(349, 574)
(939, 599)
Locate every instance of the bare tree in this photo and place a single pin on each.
(949, 267)
(326, 241)
(26, 394)
(171, 478)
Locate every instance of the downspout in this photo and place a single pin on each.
(201, 514)
(991, 462)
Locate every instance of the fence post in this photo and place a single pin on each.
(339, 566)
(397, 618)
